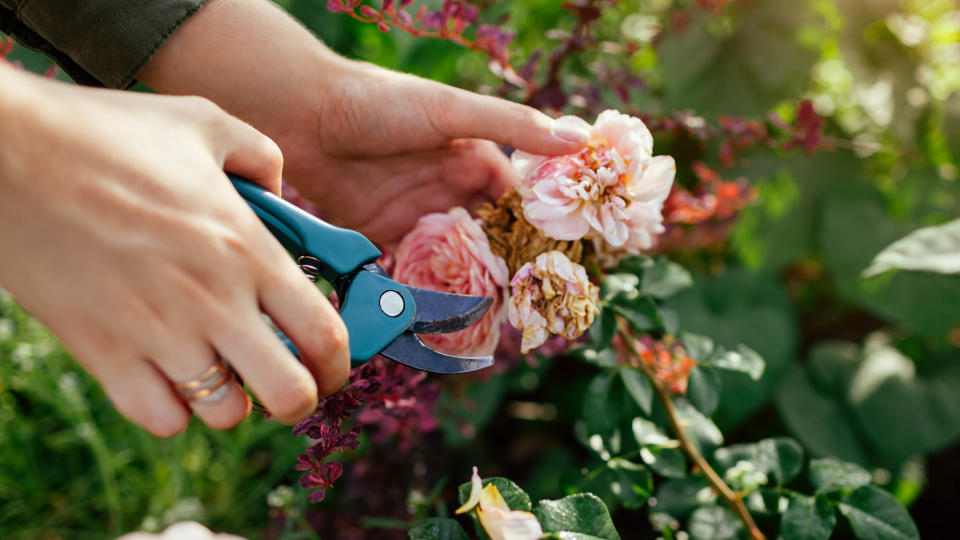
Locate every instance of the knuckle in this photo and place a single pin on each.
(299, 400)
(227, 418)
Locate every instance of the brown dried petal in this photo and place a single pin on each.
(514, 238)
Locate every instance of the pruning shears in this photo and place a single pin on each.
(381, 315)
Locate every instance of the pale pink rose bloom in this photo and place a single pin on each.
(613, 190)
(551, 295)
(450, 253)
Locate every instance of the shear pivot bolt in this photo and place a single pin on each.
(391, 303)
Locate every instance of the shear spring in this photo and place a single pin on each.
(311, 266)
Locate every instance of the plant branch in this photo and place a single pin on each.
(733, 499)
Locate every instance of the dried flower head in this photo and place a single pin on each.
(551, 296)
(611, 191)
(514, 238)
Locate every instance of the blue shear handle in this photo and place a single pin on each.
(340, 250)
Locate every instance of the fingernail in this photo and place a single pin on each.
(570, 133)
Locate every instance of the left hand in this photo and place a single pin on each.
(372, 148)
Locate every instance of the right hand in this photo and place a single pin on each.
(120, 232)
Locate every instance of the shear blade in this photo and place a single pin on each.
(442, 313)
(410, 351)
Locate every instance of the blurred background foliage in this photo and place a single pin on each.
(864, 370)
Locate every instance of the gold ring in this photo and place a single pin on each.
(209, 387)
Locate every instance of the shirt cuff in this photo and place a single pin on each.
(111, 40)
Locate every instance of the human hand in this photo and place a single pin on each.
(121, 233)
(373, 149)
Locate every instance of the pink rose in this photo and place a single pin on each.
(450, 253)
(612, 190)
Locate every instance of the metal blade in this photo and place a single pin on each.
(410, 351)
(442, 313)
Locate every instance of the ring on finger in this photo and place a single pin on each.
(209, 387)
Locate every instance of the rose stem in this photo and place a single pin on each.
(734, 500)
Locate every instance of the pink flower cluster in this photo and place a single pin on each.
(611, 192)
(450, 252)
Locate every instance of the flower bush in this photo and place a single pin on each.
(715, 364)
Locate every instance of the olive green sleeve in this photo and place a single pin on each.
(97, 42)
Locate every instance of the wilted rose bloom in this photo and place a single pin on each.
(450, 253)
(612, 190)
(551, 295)
(495, 515)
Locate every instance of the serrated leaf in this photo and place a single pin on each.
(437, 529)
(930, 249)
(829, 475)
(665, 278)
(744, 360)
(632, 483)
(703, 389)
(638, 387)
(875, 514)
(714, 523)
(808, 518)
(582, 513)
(517, 499)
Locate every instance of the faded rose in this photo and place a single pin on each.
(551, 296)
(611, 191)
(450, 252)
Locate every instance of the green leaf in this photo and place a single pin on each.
(875, 514)
(703, 433)
(567, 535)
(646, 433)
(740, 307)
(665, 278)
(703, 389)
(634, 264)
(603, 328)
(780, 457)
(714, 523)
(697, 346)
(437, 529)
(516, 498)
(930, 249)
(744, 360)
(664, 460)
(829, 475)
(601, 358)
(632, 482)
(582, 513)
(642, 313)
(600, 404)
(679, 496)
(639, 387)
(819, 420)
(808, 518)
(622, 286)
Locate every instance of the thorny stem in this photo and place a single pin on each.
(733, 499)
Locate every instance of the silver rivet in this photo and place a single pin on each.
(391, 303)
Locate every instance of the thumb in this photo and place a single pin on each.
(469, 115)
